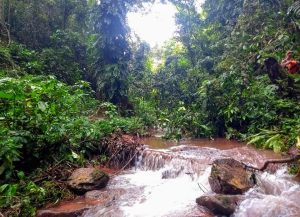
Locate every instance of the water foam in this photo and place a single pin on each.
(275, 195)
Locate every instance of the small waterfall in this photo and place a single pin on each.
(177, 161)
(163, 183)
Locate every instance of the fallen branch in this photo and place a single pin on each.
(274, 161)
(130, 160)
(117, 151)
(200, 188)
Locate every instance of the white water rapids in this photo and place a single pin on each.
(166, 183)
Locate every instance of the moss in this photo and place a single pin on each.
(294, 168)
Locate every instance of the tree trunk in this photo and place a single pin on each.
(4, 31)
(2, 20)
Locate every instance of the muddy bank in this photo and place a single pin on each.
(120, 150)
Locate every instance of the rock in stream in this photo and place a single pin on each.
(220, 204)
(87, 179)
(229, 176)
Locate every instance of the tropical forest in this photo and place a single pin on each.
(149, 108)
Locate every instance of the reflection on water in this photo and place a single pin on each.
(157, 143)
(219, 143)
(220, 147)
(169, 176)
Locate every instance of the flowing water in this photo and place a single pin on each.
(168, 177)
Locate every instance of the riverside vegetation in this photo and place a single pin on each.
(62, 63)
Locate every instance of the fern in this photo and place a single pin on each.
(294, 10)
(294, 14)
(269, 139)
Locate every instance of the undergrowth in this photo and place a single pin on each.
(43, 120)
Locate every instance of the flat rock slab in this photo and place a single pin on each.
(229, 176)
(79, 205)
(198, 211)
(87, 179)
(220, 204)
(70, 209)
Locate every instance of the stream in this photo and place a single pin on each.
(169, 176)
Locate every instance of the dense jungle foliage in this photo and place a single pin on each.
(64, 62)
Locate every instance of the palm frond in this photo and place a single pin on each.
(294, 10)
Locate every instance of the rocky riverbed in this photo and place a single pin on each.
(191, 178)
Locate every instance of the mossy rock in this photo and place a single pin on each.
(87, 179)
(229, 176)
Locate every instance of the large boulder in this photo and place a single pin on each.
(220, 204)
(229, 176)
(87, 179)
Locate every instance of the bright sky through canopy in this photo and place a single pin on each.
(156, 26)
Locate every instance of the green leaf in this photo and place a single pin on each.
(91, 3)
(256, 138)
(42, 106)
(21, 175)
(3, 80)
(3, 187)
(74, 155)
(4, 95)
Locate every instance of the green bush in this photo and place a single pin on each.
(43, 120)
(5, 58)
(66, 58)
(146, 111)
(38, 114)
(27, 60)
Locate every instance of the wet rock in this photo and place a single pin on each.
(229, 176)
(220, 204)
(297, 177)
(107, 196)
(69, 209)
(78, 206)
(87, 179)
(54, 213)
(198, 211)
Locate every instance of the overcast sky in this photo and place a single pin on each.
(158, 25)
(155, 27)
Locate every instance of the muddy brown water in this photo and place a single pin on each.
(166, 178)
